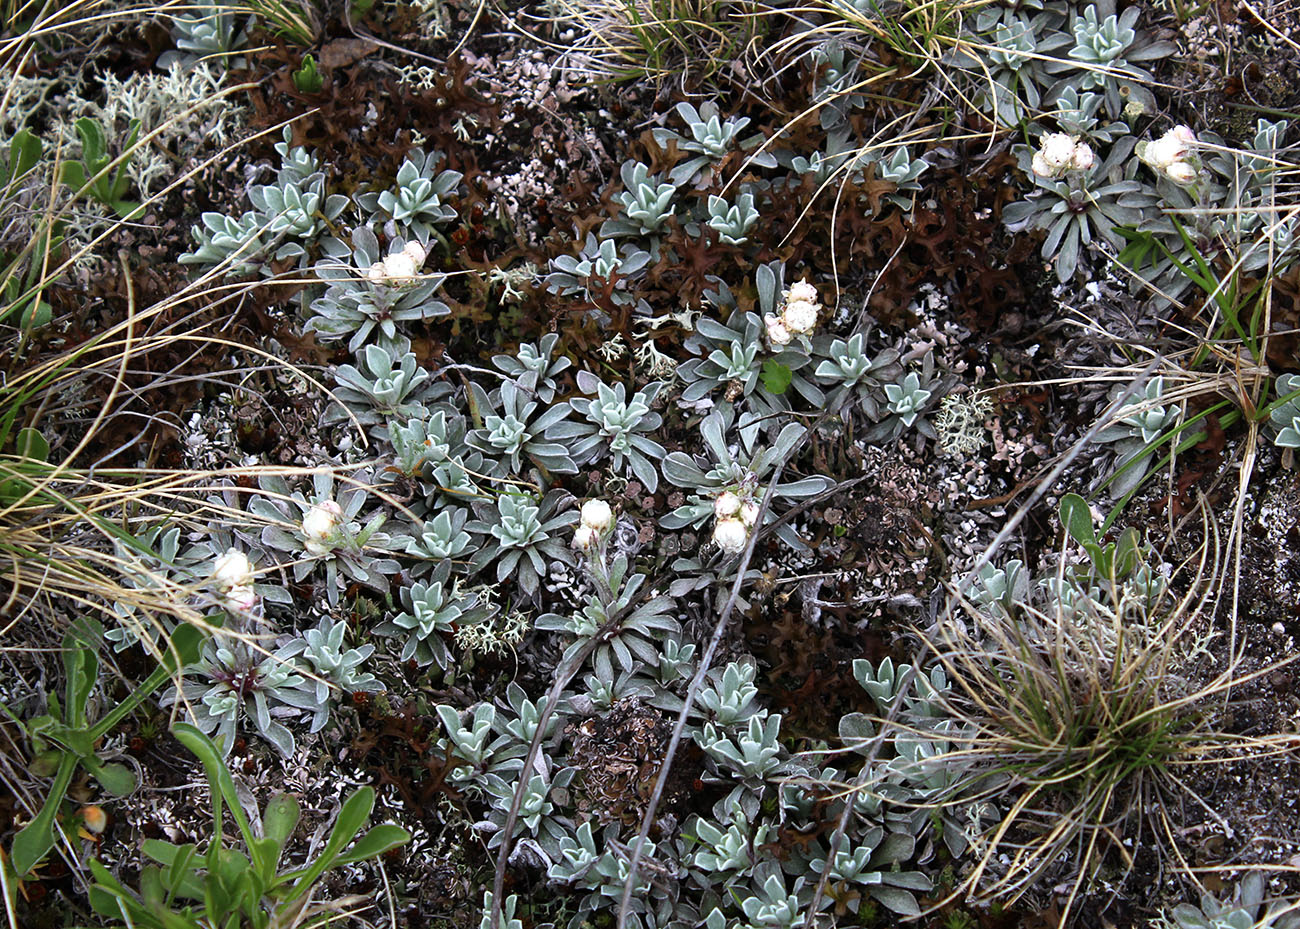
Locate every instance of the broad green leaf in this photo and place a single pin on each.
(162, 852)
(31, 444)
(46, 763)
(266, 855)
(1077, 519)
(92, 142)
(77, 741)
(24, 153)
(223, 786)
(186, 643)
(106, 893)
(183, 874)
(74, 175)
(374, 843)
(81, 664)
(35, 839)
(900, 901)
(151, 888)
(352, 817)
(1128, 553)
(117, 779)
(280, 818)
(776, 377)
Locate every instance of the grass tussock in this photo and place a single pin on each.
(1081, 726)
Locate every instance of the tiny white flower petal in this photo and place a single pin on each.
(242, 598)
(1166, 150)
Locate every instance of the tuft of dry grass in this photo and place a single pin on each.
(1080, 726)
(691, 41)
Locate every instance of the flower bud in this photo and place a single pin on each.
(233, 569)
(585, 538)
(777, 333)
(1183, 134)
(242, 598)
(318, 524)
(597, 515)
(1084, 157)
(416, 252)
(727, 504)
(730, 535)
(1182, 173)
(749, 512)
(94, 819)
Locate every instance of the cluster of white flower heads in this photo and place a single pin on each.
(318, 527)
(399, 266)
(233, 573)
(1173, 155)
(1059, 153)
(735, 521)
(799, 311)
(597, 519)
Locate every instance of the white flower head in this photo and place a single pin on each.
(377, 272)
(802, 290)
(1041, 167)
(749, 512)
(597, 515)
(585, 538)
(318, 524)
(800, 310)
(777, 333)
(730, 535)
(1172, 147)
(727, 504)
(400, 266)
(233, 569)
(800, 316)
(1057, 150)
